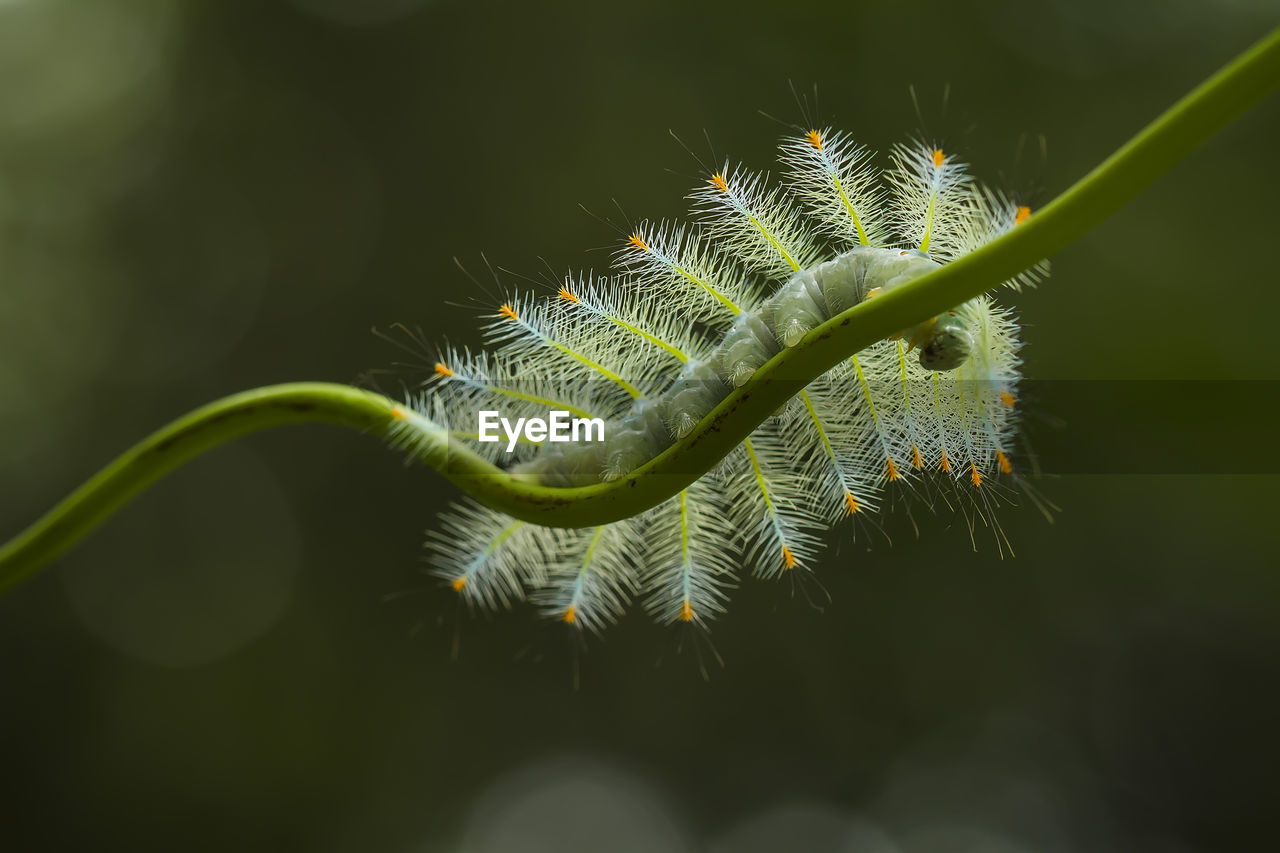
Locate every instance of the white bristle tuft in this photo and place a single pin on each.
(592, 577)
(691, 560)
(758, 227)
(674, 267)
(488, 557)
(834, 178)
(929, 193)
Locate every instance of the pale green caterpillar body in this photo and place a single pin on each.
(693, 314)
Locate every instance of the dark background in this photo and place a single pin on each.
(202, 197)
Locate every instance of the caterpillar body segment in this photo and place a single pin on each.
(693, 313)
(697, 390)
(747, 345)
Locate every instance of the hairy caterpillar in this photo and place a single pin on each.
(692, 313)
(814, 434)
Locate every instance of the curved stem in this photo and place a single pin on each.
(177, 443)
(1164, 142)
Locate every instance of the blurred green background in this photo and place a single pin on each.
(202, 197)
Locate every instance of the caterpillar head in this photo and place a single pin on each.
(947, 343)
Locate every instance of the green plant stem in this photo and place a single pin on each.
(1167, 140)
(175, 444)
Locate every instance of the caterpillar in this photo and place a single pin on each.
(687, 316)
(689, 313)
